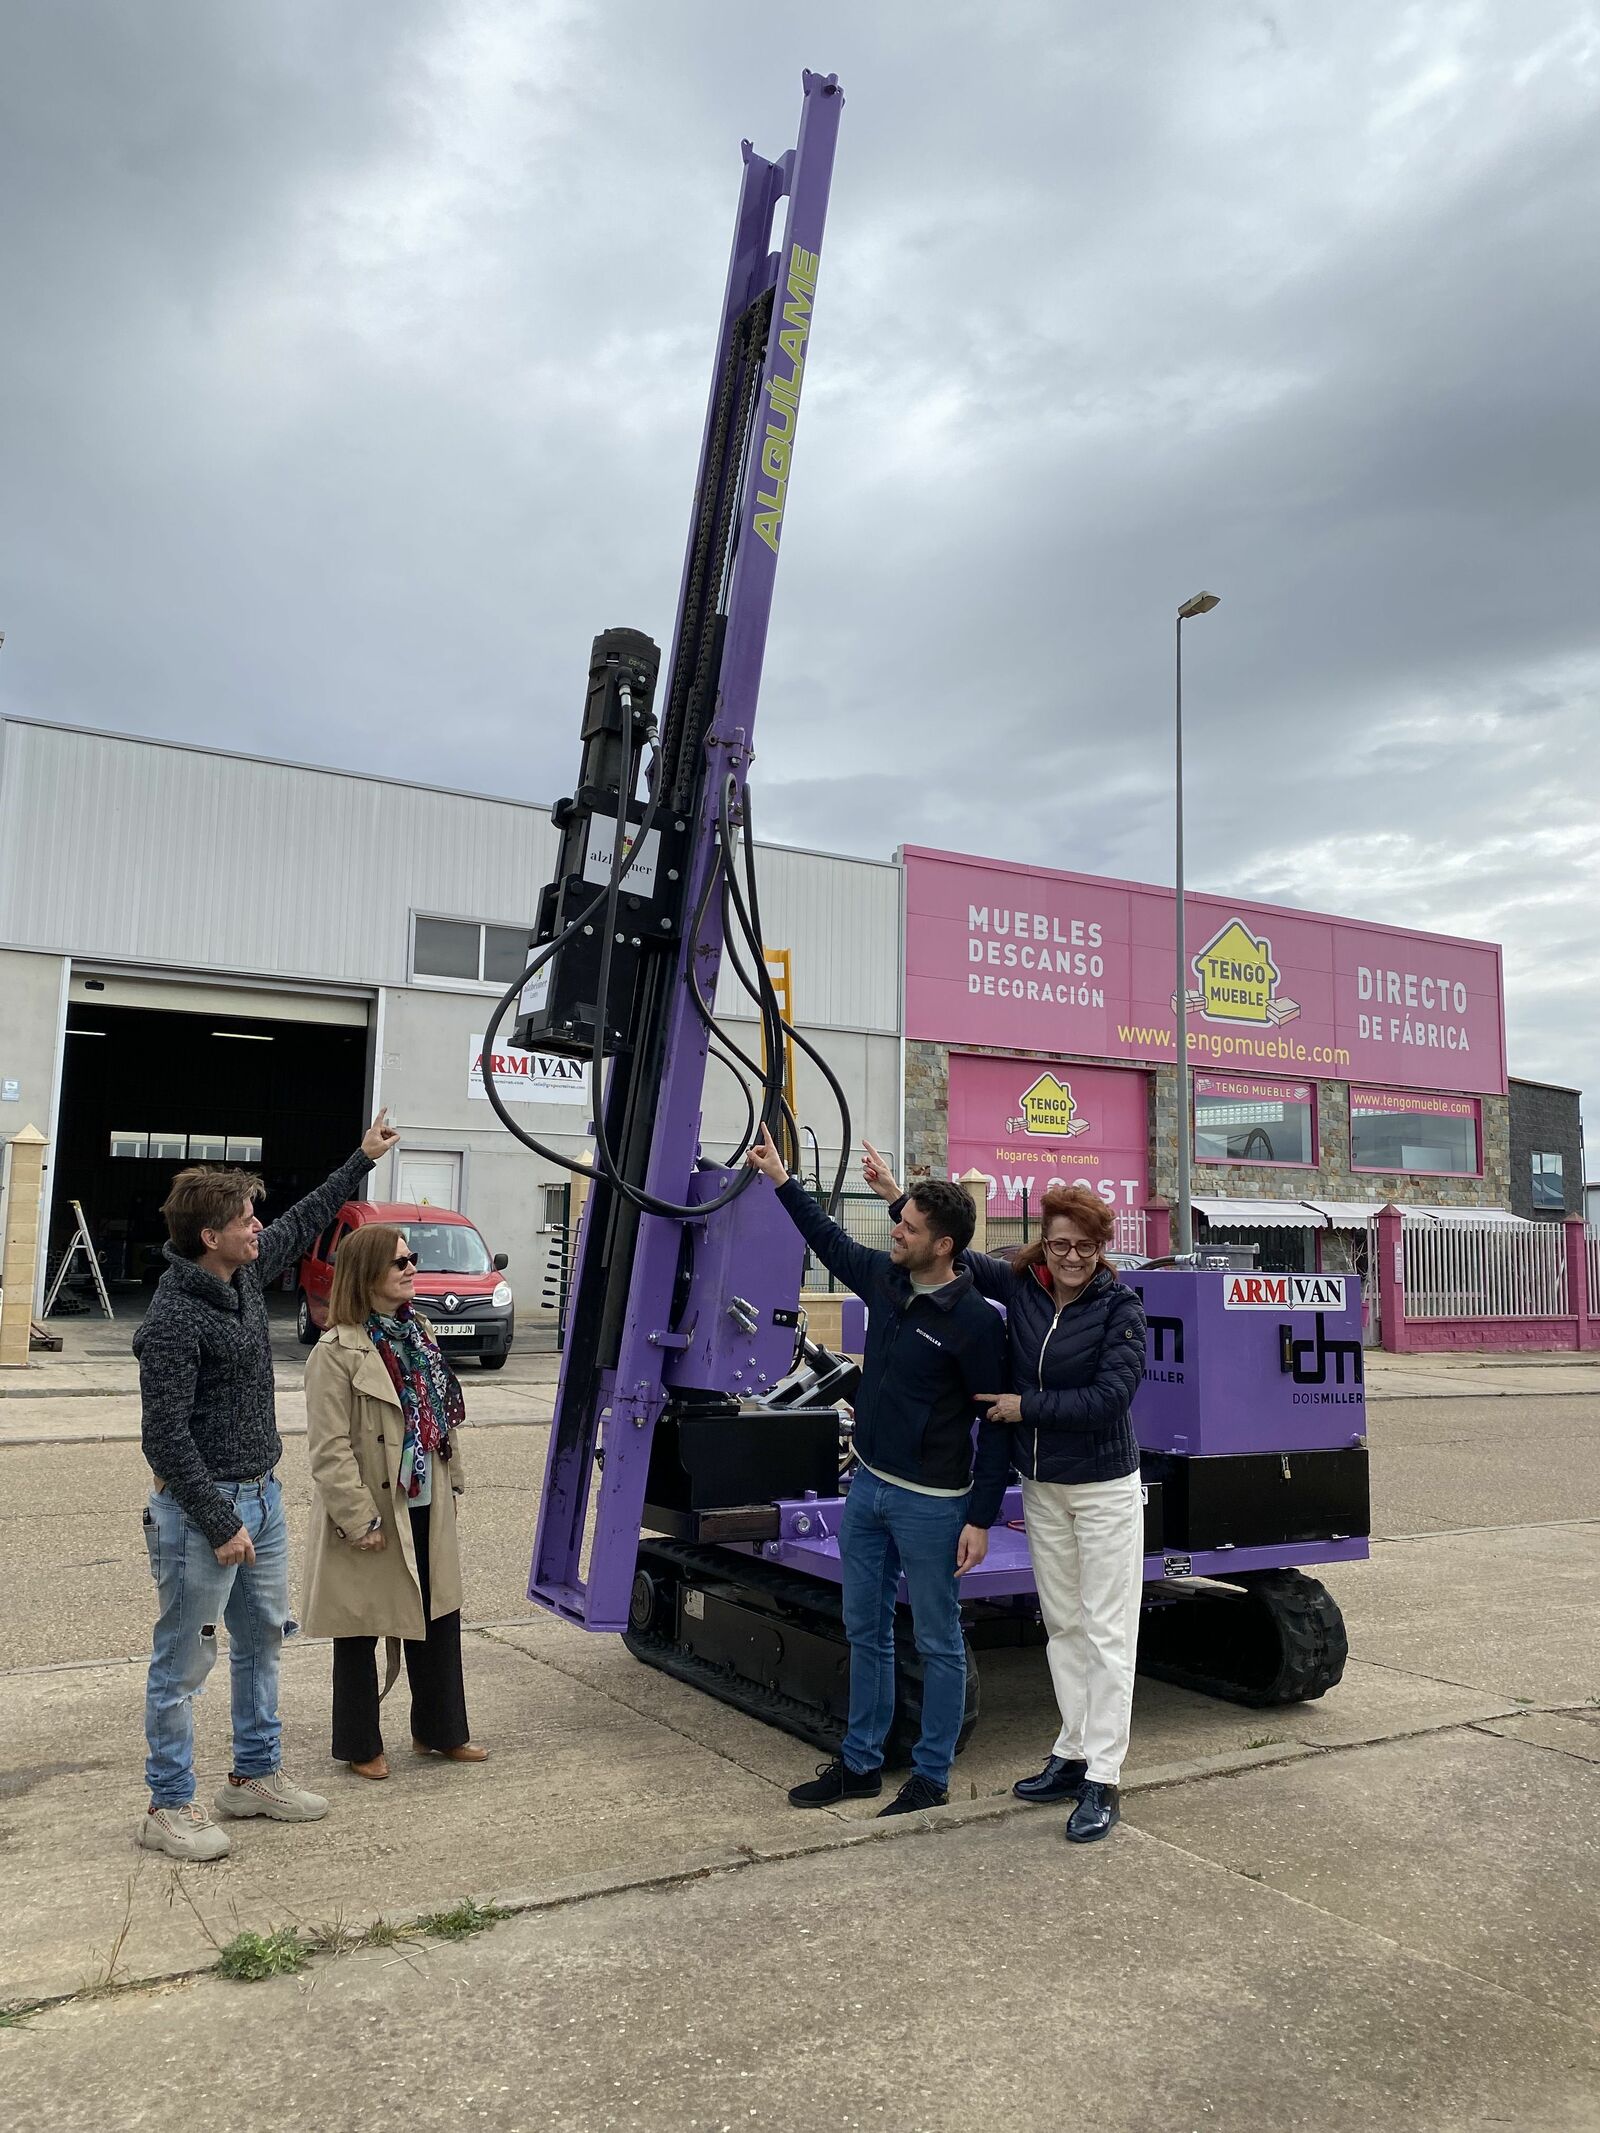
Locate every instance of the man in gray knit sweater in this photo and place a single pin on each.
(214, 1523)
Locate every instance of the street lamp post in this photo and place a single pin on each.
(1201, 604)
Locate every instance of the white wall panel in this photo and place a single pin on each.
(840, 921)
(136, 851)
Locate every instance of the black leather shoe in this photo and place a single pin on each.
(914, 1794)
(1060, 1779)
(836, 1781)
(1096, 1815)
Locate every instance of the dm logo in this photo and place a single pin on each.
(1239, 979)
(1049, 1111)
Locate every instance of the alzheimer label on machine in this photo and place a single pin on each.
(640, 876)
(536, 993)
(1283, 1292)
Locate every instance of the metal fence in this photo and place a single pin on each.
(1473, 1270)
(1592, 1239)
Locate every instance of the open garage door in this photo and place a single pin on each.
(160, 1074)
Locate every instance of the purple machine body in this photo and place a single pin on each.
(692, 1488)
(1242, 1391)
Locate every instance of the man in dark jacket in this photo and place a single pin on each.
(214, 1523)
(915, 1504)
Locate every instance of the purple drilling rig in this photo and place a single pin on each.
(701, 1440)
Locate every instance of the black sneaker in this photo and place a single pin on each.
(915, 1794)
(836, 1781)
(1097, 1813)
(1060, 1779)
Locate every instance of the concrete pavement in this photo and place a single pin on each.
(1376, 1909)
(1192, 1972)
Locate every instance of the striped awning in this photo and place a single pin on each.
(1258, 1214)
(1347, 1214)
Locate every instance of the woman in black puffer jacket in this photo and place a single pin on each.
(1077, 1358)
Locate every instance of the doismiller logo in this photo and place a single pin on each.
(1049, 1111)
(783, 396)
(1283, 1292)
(1239, 979)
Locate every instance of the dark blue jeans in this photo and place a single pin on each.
(887, 1530)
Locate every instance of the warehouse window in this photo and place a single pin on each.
(456, 951)
(187, 1147)
(1399, 1131)
(1549, 1189)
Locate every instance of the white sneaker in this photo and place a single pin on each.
(274, 1795)
(184, 1833)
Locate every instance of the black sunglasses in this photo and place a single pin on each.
(407, 1259)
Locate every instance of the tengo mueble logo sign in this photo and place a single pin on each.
(1283, 1292)
(1049, 1111)
(1239, 980)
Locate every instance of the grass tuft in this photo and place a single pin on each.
(249, 1956)
(388, 1933)
(1266, 1740)
(468, 1917)
(14, 2017)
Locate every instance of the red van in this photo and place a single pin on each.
(461, 1289)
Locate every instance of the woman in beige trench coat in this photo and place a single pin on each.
(382, 1415)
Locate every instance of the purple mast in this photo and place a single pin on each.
(621, 1348)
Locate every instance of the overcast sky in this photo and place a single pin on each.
(356, 353)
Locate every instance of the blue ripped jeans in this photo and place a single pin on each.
(196, 1592)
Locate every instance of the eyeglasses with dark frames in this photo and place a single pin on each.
(1065, 1248)
(406, 1259)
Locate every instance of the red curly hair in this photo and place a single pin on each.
(1082, 1206)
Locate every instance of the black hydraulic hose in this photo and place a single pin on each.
(791, 1125)
(750, 925)
(546, 951)
(763, 992)
(749, 1133)
(764, 1075)
(835, 1085)
(648, 1202)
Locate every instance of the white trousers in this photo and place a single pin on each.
(1087, 1544)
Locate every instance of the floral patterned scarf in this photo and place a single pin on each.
(430, 1397)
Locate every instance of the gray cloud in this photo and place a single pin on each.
(358, 357)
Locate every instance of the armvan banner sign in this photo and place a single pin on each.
(1054, 963)
(527, 1077)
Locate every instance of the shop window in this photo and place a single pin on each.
(1549, 1188)
(1399, 1131)
(1241, 1120)
(461, 952)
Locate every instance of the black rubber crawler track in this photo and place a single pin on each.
(809, 1602)
(1267, 1637)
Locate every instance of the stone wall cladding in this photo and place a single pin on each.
(927, 1150)
(928, 1142)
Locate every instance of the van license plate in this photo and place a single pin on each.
(447, 1333)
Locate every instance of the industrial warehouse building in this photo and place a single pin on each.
(207, 956)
